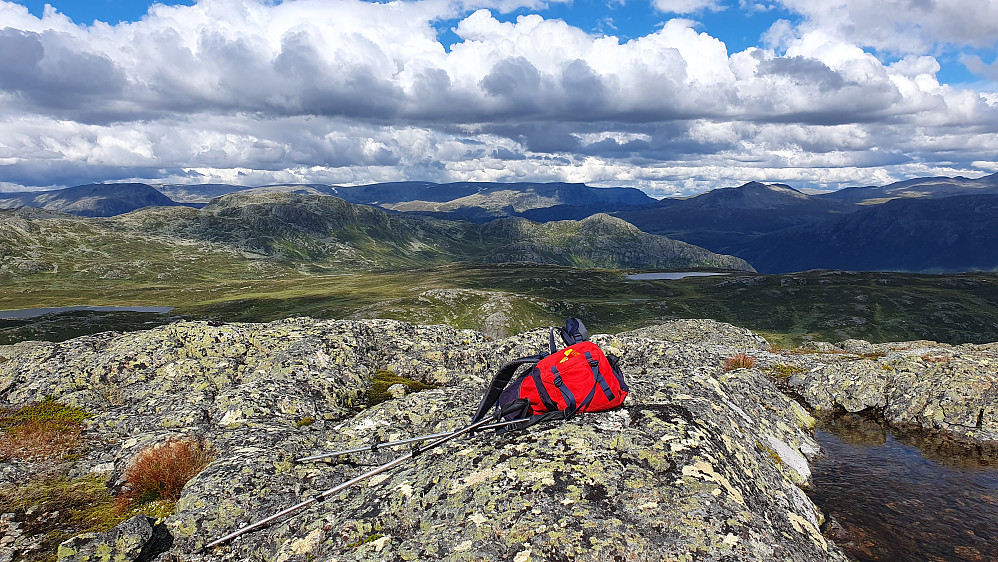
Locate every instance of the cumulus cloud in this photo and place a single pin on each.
(975, 64)
(347, 92)
(903, 26)
(686, 6)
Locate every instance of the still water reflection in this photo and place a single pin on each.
(892, 501)
(671, 275)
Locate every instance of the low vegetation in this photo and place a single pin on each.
(159, 473)
(52, 510)
(50, 506)
(384, 379)
(739, 361)
(784, 371)
(786, 309)
(41, 431)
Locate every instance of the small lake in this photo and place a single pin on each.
(65, 322)
(671, 275)
(35, 312)
(894, 501)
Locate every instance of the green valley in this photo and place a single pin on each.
(507, 298)
(260, 257)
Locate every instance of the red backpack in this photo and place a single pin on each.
(578, 378)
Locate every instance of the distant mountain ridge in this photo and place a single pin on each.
(759, 222)
(331, 232)
(950, 234)
(920, 225)
(930, 188)
(92, 200)
(722, 219)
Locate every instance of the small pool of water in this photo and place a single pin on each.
(671, 275)
(890, 500)
(60, 324)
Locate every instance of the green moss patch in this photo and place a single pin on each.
(47, 414)
(383, 379)
(365, 540)
(59, 508)
(44, 430)
(783, 371)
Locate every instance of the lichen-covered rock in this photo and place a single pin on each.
(703, 332)
(699, 464)
(134, 540)
(925, 384)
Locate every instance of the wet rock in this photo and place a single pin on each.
(699, 464)
(933, 386)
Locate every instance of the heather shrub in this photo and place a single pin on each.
(159, 472)
(40, 430)
(739, 361)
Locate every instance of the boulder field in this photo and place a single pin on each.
(701, 463)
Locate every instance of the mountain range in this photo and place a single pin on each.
(933, 224)
(323, 233)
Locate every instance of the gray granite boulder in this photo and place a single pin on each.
(699, 464)
(938, 387)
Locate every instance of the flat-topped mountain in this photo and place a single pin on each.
(918, 188)
(482, 202)
(199, 194)
(522, 195)
(92, 200)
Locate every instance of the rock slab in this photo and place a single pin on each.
(699, 464)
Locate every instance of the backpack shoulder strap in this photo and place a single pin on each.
(572, 333)
(499, 382)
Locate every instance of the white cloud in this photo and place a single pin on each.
(975, 64)
(349, 92)
(903, 26)
(686, 6)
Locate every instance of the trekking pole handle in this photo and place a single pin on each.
(417, 439)
(348, 483)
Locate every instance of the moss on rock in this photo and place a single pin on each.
(384, 379)
(697, 465)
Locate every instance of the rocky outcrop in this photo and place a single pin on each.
(928, 385)
(138, 539)
(699, 464)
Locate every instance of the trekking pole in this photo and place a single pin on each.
(374, 447)
(320, 497)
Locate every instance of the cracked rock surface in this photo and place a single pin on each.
(699, 464)
(938, 387)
